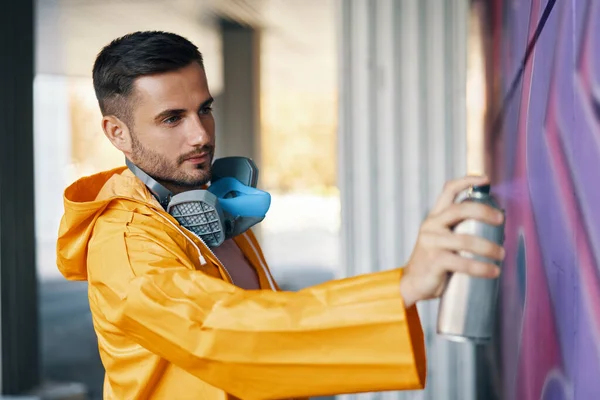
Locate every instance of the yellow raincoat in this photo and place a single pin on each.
(171, 325)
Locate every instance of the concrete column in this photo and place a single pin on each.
(401, 136)
(238, 106)
(18, 287)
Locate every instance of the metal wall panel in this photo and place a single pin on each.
(401, 136)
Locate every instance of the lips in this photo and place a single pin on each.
(197, 158)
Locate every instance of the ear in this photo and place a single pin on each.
(117, 132)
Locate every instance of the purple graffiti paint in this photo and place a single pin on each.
(551, 293)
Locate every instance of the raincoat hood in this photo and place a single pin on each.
(84, 202)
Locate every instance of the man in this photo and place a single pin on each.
(176, 320)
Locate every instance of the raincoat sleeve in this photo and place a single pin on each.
(344, 336)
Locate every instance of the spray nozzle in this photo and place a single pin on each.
(483, 189)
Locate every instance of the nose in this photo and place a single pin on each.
(198, 135)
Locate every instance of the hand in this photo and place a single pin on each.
(435, 253)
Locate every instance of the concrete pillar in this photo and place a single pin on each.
(401, 136)
(18, 287)
(238, 106)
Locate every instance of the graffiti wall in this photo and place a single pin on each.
(547, 165)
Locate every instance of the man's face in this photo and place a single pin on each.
(173, 129)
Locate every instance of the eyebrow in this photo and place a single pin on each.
(177, 111)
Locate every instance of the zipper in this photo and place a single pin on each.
(202, 259)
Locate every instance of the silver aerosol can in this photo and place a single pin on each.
(467, 308)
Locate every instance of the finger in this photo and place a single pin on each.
(471, 244)
(456, 263)
(454, 187)
(467, 210)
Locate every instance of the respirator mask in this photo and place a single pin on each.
(230, 206)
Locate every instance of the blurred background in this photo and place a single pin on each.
(356, 112)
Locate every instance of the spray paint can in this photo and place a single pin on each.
(467, 309)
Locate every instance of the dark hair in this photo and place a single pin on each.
(132, 56)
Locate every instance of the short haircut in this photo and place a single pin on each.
(132, 56)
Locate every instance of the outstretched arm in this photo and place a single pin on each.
(344, 336)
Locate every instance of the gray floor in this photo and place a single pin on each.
(69, 347)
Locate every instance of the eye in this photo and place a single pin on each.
(206, 110)
(172, 120)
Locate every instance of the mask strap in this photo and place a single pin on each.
(161, 193)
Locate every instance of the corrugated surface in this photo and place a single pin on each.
(401, 136)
